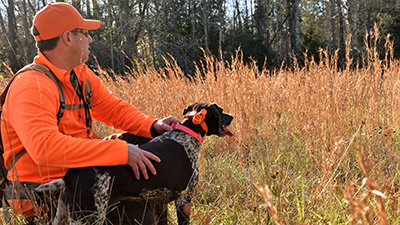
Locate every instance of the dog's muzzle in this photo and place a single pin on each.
(226, 121)
(224, 131)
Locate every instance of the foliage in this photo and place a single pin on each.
(391, 24)
(177, 29)
(251, 46)
(312, 39)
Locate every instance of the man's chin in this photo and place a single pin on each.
(84, 60)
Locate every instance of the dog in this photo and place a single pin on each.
(177, 173)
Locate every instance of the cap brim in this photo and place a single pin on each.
(90, 25)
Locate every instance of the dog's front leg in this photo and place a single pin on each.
(183, 213)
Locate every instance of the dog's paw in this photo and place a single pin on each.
(51, 186)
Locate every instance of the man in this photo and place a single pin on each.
(29, 118)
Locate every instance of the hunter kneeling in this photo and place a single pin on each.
(46, 121)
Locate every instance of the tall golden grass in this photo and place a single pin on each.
(312, 145)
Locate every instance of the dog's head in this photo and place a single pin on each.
(217, 121)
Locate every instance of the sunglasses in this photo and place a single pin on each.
(84, 32)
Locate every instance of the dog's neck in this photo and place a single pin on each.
(196, 128)
(188, 131)
(187, 141)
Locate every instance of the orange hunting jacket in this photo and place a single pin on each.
(29, 121)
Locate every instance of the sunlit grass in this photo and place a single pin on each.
(313, 145)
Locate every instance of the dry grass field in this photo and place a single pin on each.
(313, 145)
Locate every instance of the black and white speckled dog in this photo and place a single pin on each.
(177, 174)
(176, 178)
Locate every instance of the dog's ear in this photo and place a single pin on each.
(217, 110)
(188, 109)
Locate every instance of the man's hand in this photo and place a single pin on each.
(139, 160)
(164, 125)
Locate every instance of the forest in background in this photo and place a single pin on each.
(267, 32)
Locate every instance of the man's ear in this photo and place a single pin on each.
(66, 38)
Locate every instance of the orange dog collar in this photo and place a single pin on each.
(198, 118)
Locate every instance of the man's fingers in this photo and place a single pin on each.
(165, 124)
(166, 127)
(136, 171)
(150, 166)
(151, 156)
(140, 161)
(170, 120)
(175, 120)
(143, 169)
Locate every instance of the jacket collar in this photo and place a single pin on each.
(61, 74)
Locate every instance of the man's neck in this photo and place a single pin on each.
(59, 60)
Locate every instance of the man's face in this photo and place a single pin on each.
(81, 39)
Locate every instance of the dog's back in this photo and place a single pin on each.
(173, 172)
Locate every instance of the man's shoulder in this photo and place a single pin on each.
(32, 79)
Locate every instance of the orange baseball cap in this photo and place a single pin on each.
(56, 18)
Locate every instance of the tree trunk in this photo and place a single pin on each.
(96, 9)
(150, 37)
(246, 19)
(138, 31)
(174, 13)
(205, 9)
(88, 11)
(111, 36)
(129, 41)
(293, 10)
(78, 6)
(165, 17)
(238, 15)
(342, 43)
(122, 39)
(30, 46)
(193, 16)
(277, 35)
(332, 42)
(352, 20)
(2, 25)
(158, 28)
(12, 36)
(259, 17)
(266, 29)
(96, 15)
(220, 27)
(233, 29)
